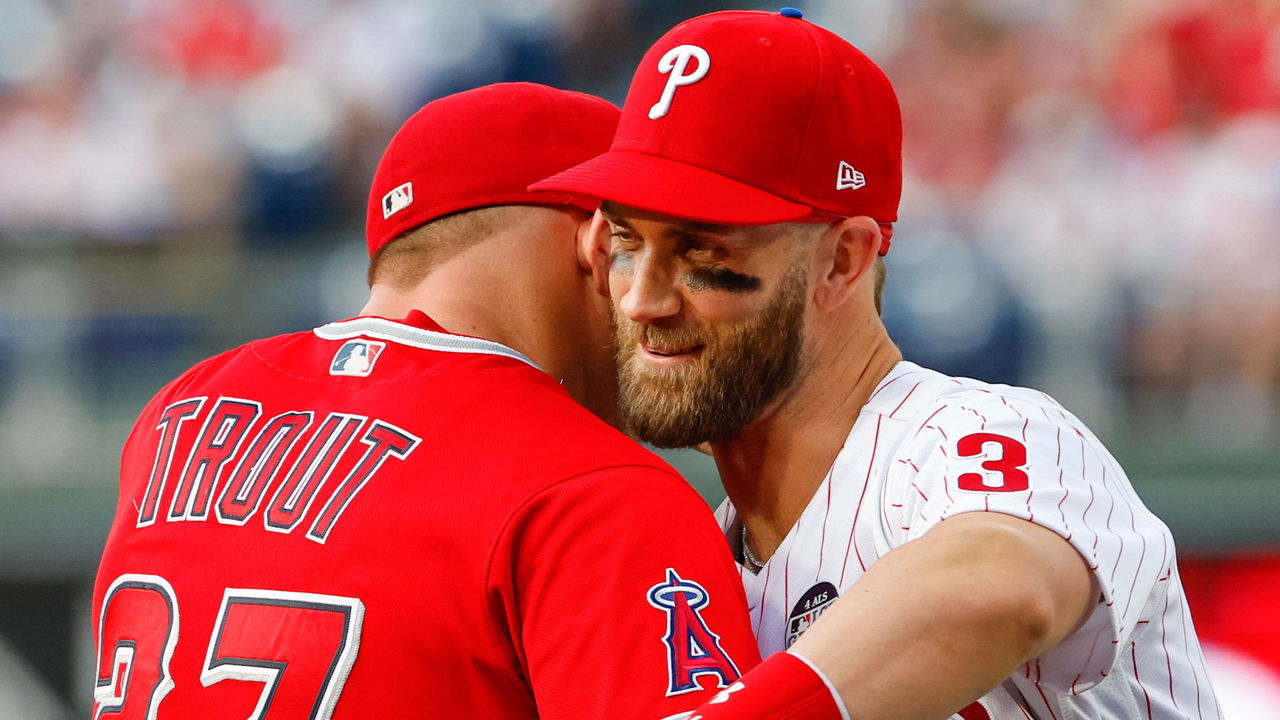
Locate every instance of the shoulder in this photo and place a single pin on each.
(579, 449)
(967, 437)
(927, 401)
(193, 379)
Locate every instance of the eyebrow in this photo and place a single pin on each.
(681, 227)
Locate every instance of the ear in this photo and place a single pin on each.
(847, 251)
(593, 251)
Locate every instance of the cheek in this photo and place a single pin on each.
(723, 308)
(621, 263)
(621, 269)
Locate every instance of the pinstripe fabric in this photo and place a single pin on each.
(906, 467)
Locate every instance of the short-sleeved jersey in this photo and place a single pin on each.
(927, 447)
(380, 519)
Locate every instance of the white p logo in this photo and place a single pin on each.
(674, 63)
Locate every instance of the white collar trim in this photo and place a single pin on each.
(416, 337)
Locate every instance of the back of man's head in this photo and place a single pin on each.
(457, 159)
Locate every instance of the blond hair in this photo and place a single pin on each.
(406, 260)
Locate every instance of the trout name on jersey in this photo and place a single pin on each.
(229, 469)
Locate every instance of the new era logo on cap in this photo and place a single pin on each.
(398, 199)
(849, 179)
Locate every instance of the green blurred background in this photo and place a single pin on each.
(1092, 207)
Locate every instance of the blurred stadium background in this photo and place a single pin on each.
(1092, 207)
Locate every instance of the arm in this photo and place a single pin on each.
(620, 597)
(930, 627)
(941, 620)
(961, 602)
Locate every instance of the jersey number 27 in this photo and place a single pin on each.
(256, 635)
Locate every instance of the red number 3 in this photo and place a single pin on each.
(1005, 472)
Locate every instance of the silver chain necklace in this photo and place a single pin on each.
(749, 558)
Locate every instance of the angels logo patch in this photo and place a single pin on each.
(692, 649)
(813, 603)
(356, 358)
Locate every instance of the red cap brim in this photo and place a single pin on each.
(667, 187)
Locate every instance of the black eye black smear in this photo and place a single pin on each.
(721, 279)
(621, 262)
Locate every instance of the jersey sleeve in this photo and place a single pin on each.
(619, 597)
(986, 452)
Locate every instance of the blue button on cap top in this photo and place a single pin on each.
(790, 12)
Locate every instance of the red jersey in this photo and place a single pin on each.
(382, 519)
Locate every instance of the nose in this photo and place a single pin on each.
(651, 294)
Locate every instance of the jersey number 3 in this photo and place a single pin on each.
(1004, 463)
(256, 635)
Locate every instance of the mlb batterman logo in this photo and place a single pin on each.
(356, 358)
(692, 649)
(398, 199)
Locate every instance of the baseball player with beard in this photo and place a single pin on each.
(925, 546)
(406, 514)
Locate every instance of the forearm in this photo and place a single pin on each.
(940, 621)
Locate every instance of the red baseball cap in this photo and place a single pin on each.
(483, 147)
(752, 118)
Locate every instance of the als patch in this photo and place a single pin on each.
(356, 358)
(813, 603)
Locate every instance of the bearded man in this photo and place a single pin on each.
(925, 546)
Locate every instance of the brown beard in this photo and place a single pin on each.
(741, 369)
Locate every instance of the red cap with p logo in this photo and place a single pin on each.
(752, 118)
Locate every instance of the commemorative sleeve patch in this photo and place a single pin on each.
(813, 603)
(691, 648)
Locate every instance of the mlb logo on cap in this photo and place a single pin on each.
(356, 358)
(398, 199)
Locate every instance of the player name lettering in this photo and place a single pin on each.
(235, 462)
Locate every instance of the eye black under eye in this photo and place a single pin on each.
(621, 261)
(721, 279)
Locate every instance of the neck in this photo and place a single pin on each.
(440, 300)
(482, 290)
(522, 287)
(772, 469)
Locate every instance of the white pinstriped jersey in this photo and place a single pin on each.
(927, 447)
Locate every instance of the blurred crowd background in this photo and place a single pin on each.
(1092, 207)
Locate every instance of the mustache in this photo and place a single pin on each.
(628, 332)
